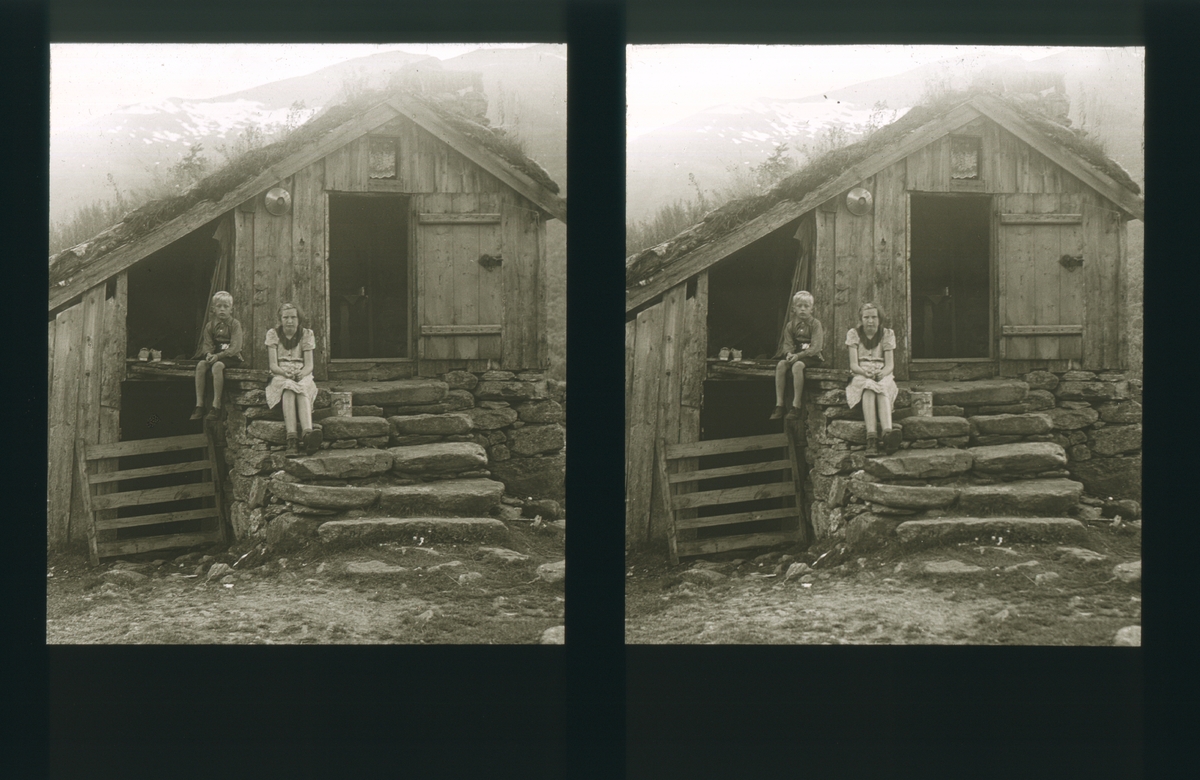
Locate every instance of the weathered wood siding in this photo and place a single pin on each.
(87, 366)
(864, 258)
(284, 257)
(665, 348)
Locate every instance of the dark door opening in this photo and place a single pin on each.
(748, 295)
(951, 288)
(368, 276)
(168, 296)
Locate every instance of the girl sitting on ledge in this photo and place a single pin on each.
(872, 347)
(290, 352)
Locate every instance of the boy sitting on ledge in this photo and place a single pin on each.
(803, 339)
(220, 348)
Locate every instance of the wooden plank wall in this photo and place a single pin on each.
(665, 350)
(284, 257)
(889, 241)
(87, 366)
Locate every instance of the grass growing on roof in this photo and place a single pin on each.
(830, 165)
(247, 165)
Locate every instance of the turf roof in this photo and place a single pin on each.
(246, 166)
(731, 215)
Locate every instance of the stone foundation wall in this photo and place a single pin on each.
(1094, 418)
(510, 427)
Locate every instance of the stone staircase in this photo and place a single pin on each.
(409, 465)
(990, 464)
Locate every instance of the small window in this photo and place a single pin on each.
(383, 158)
(964, 158)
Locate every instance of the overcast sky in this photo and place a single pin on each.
(89, 80)
(669, 82)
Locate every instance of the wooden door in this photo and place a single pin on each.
(524, 288)
(1040, 241)
(460, 281)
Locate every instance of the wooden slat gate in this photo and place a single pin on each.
(684, 496)
(110, 490)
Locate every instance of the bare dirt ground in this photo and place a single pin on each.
(435, 594)
(1019, 595)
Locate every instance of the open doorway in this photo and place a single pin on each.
(748, 295)
(168, 296)
(368, 276)
(951, 287)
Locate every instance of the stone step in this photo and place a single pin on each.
(948, 530)
(937, 427)
(916, 464)
(432, 530)
(1045, 497)
(448, 498)
(438, 458)
(994, 460)
(398, 392)
(435, 458)
(1019, 457)
(980, 392)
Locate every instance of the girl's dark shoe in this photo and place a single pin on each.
(312, 440)
(214, 414)
(794, 413)
(197, 413)
(293, 446)
(891, 440)
(777, 414)
(872, 445)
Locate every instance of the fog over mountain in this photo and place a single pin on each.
(526, 91)
(1104, 87)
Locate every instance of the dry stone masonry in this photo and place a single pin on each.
(1004, 457)
(428, 459)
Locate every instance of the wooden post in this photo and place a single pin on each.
(660, 464)
(797, 447)
(81, 461)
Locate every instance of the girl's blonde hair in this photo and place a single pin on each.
(223, 296)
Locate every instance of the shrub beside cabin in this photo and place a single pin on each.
(993, 237)
(411, 236)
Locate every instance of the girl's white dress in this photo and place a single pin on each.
(291, 358)
(871, 360)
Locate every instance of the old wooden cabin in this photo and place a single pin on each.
(411, 235)
(994, 238)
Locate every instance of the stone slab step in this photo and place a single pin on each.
(438, 458)
(434, 530)
(948, 530)
(452, 497)
(399, 392)
(1019, 457)
(916, 464)
(1045, 497)
(971, 393)
(448, 498)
